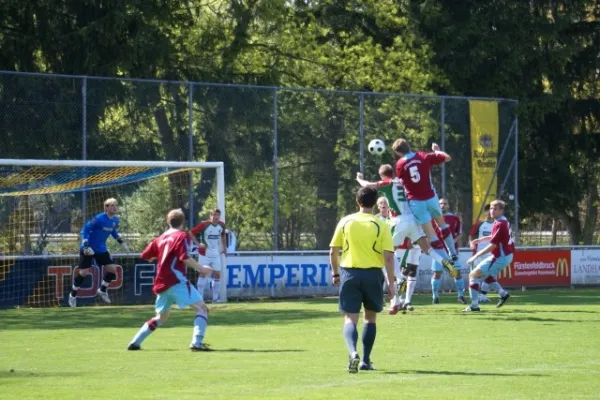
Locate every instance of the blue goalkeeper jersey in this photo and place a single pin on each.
(98, 229)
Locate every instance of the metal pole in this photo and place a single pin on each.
(191, 152)
(516, 189)
(275, 176)
(443, 144)
(361, 133)
(84, 142)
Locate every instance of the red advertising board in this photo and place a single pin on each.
(538, 268)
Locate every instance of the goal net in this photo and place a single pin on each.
(44, 204)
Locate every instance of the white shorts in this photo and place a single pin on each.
(214, 262)
(412, 255)
(408, 228)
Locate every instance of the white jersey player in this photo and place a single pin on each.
(211, 233)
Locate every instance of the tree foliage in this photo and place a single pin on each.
(545, 53)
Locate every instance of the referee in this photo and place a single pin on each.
(366, 245)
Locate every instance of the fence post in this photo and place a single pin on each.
(275, 176)
(84, 142)
(516, 188)
(443, 141)
(192, 211)
(361, 132)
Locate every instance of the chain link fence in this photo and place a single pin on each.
(291, 155)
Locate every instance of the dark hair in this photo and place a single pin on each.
(366, 197)
(215, 211)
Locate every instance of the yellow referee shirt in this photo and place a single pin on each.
(363, 238)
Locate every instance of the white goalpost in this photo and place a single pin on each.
(44, 204)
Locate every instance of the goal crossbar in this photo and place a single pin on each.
(218, 165)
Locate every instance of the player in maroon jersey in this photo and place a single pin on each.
(502, 250)
(455, 226)
(414, 168)
(172, 252)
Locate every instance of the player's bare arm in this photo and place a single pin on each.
(436, 148)
(334, 260)
(202, 269)
(490, 247)
(482, 239)
(362, 182)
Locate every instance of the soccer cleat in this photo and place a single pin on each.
(407, 307)
(436, 300)
(450, 268)
(133, 346)
(503, 300)
(393, 310)
(471, 309)
(402, 287)
(353, 364)
(200, 347)
(462, 300)
(363, 366)
(103, 296)
(72, 301)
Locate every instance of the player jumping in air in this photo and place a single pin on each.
(212, 234)
(406, 227)
(414, 169)
(172, 252)
(502, 248)
(93, 247)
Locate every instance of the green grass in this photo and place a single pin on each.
(541, 345)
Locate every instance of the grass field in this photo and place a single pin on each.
(541, 345)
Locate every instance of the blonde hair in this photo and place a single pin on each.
(498, 203)
(383, 199)
(386, 170)
(176, 218)
(111, 201)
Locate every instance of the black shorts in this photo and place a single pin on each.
(361, 286)
(101, 259)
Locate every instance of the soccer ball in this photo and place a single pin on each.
(376, 147)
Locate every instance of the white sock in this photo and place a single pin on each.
(216, 286)
(410, 288)
(201, 284)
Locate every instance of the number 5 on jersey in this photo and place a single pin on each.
(415, 176)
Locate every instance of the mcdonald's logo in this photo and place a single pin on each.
(506, 273)
(562, 267)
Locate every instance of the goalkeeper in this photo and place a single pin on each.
(93, 247)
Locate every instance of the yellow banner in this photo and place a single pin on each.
(484, 152)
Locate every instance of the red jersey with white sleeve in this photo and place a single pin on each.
(170, 249)
(502, 238)
(415, 171)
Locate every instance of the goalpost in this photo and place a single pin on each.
(45, 203)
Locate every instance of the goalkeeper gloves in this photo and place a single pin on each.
(122, 243)
(87, 250)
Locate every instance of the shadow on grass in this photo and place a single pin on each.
(455, 373)
(17, 373)
(232, 350)
(134, 317)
